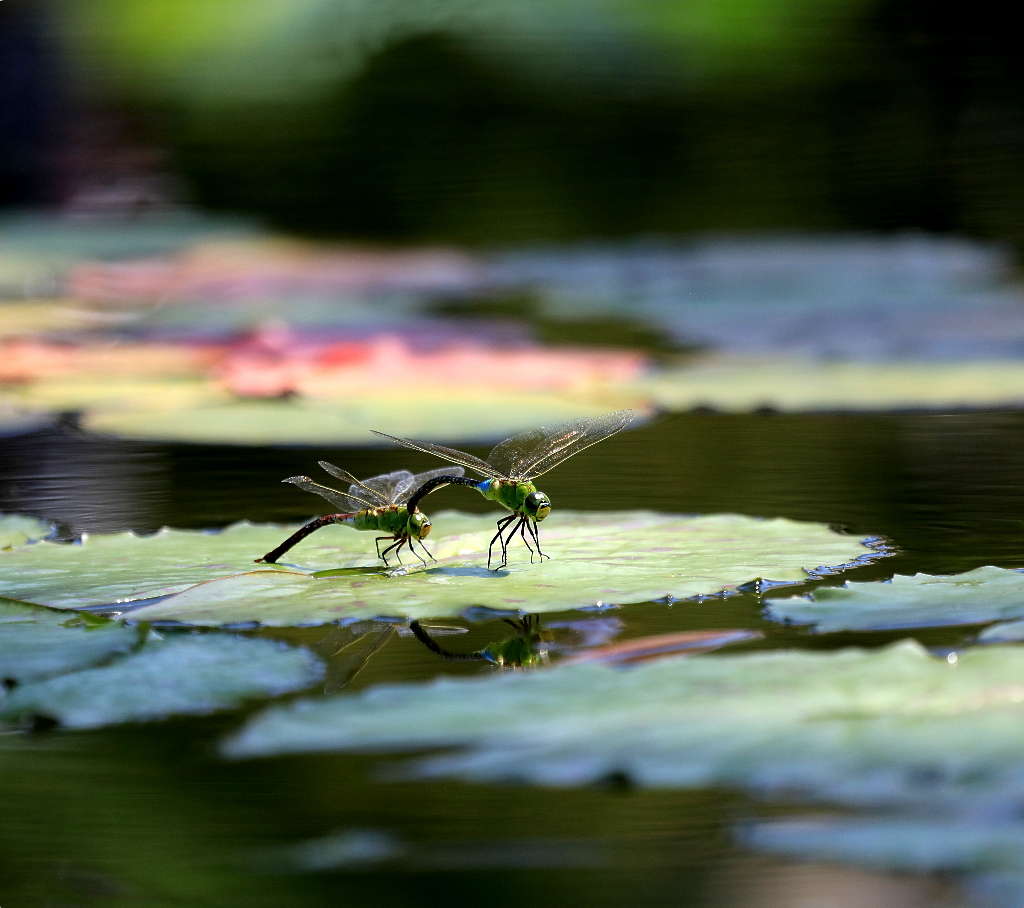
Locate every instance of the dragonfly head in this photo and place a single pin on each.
(537, 505)
(419, 525)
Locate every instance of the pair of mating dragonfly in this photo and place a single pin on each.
(389, 503)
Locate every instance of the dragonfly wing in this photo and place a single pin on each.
(533, 453)
(346, 503)
(356, 487)
(388, 485)
(420, 479)
(452, 455)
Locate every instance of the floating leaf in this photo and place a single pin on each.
(19, 421)
(736, 383)
(922, 600)
(990, 851)
(838, 297)
(194, 412)
(598, 558)
(897, 843)
(891, 726)
(190, 674)
(37, 642)
(17, 529)
(1003, 632)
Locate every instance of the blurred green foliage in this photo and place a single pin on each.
(493, 121)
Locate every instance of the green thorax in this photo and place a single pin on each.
(508, 493)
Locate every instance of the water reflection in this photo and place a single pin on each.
(527, 647)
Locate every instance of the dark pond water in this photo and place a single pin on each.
(150, 815)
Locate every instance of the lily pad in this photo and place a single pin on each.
(894, 726)
(738, 383)
(110, 568)
(191, 674)
(988, 851)
(598, 558)
(196, 413)
(921, 600)
(1003, 632)
(17, 529)
(37, 642)
(19, 421)
(898, 843)
(840, 297)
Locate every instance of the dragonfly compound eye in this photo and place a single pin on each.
(424, 528)
(538, 505)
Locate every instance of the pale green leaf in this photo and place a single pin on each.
(922, 600)
(183, 674)
(741, 383)
(891, 726)
(17, 529)
(36, 642)
(597, 558)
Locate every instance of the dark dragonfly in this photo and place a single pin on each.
(512, 466)
(379, 503)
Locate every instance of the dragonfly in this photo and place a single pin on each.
(510, 469)
(378, 503)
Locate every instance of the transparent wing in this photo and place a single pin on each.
(346, 503)
(388, 485)
(452, 455)
(416, 482)
(533, 453)
(370, 489)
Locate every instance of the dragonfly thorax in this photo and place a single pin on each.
(517, 496)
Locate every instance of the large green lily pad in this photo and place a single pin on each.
(738, 383)
(37, 642)
(922, 600)
(17, 529)
(187, 674)
(598, 558)
(890, 726)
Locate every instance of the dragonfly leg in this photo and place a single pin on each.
(394, 546)
(412, 548)
(377, 541)
(535, 532)
(522, 532)
(504, 522)
(425, 549)
(507, 539)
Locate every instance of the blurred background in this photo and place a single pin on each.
(501, 121)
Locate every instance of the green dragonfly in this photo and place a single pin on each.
(379, 503)
(526, 649)
(510, 469)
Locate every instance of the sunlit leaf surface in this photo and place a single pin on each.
(186, 674)
(880, 727)
(737, 383)
(459, 415)
(597, 558)
(38, 642)
(922, 600)
(16, 529)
